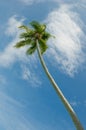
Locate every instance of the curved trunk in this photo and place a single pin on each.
(60, 94)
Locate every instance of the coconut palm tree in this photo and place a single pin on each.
(36, 38)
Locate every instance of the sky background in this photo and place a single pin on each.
(27, 99)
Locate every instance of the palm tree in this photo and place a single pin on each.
(35, 38)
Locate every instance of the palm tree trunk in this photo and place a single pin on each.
(60, 94)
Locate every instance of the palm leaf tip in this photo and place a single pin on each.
(37, 26)
(46, 36)
(30, 50)
(24, 27)
(43, 46)
(20, 44)
(24, 35)
(43, 27)
(43, 49)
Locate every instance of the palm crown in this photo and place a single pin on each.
(30, 36)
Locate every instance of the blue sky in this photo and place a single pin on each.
(27, 99)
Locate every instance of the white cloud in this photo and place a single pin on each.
(75, 103)
(9, 55)
(30, 76)
(12, 26)
(67, 47)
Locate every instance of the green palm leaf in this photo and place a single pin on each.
(37, 26)
(23, 43)
(43, 46)
(30, 50)
(28, 41)
(20, 44)
(27, 35)
(25, 28)
(24, 35)
(46, 35)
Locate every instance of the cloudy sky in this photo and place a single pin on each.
(27, 99)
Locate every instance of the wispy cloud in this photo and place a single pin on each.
(67, 47)
(30, 76)
(10, 116)
(9, 54)
(76, 103)
(12, 26)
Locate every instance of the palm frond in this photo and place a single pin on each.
(31, 50)
(43, 46)
(24, 27)
(46, 35)
(27, 35)
(37, 26)
(23, 35)
(28, 41)
(20, 44)
(33, 43)
(43, 27)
